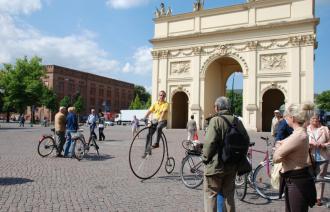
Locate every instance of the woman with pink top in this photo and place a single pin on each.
(319, 141)
(297, 181)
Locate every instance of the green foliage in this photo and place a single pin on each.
(323, 100)
(148, 104)
(142, 93)
(136, 104)
(22, 84)
(49, 99)
(65, 102)
(236, 100)
(79, 104)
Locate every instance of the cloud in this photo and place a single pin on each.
(19, 6)
(125, 4)
(79, 51)
(141, 62)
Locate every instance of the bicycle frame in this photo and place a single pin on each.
(266, 158)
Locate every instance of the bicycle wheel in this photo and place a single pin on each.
(46, 146)
(262, 181)
(92, 143)
(192, 170)
(241, 186)
(187, 145)
(145, 166)
(169, 165)
(79, 149)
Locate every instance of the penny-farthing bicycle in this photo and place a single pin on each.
(146, 161)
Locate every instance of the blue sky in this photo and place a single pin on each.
(110, 37)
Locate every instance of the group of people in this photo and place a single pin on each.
(66, 122)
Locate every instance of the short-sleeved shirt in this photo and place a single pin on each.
(158, 108)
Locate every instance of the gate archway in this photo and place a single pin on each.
(271, 100)
(179, 110)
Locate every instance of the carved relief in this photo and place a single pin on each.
(273, 62)
(181, 67)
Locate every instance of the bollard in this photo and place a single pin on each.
(219, 202)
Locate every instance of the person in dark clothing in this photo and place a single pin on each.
(101, 127)
(71, 127)
(283, 130)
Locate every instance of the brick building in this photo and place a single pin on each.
(97, 91)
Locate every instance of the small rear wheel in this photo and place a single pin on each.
(46, 146)
(169, 165)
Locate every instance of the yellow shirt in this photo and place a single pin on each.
(158, 108)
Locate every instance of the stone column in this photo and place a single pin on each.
(308, 95)
(155, 75)
(295, 66)
(195, 94)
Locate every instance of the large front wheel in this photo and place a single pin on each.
(46, 146)
(192, 171)
(79, 149)
(241, 186)
(145, 161)
(262, 181)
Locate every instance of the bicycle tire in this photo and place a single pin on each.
(187, 145)
(262, 182)
(92, 142)
(241, 186)
(147, 167)
(169, 165)
(96, 147)
(192, 171)
(79, 149)
(46, 146)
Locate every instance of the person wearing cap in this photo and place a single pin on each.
(277, 117)
(60, 129)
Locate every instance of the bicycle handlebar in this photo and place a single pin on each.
(263, 138)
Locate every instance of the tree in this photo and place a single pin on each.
(142, 93)
(236, 100)
(323, 100)
(49, 99)
(79, 104)
(22, 85)
(136, 104)
(148, 103)
(65, 102)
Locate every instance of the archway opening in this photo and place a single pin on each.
(271, 100)
(179, 110)
(218, 81)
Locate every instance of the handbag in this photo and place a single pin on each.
(275, 175)
(244, 167)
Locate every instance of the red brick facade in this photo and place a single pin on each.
(93, 88)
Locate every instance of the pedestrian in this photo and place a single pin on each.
(283, 130)
(91, 121)
(191, 127)
(276, 119)
(101, 127)
(319, 141)
(219, 177)
(135, 125)
(60, 121)
(297, 182)
(71, 127)
(21, 120)
(159, 109)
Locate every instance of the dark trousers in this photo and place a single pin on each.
(152, 130)
(92, 130)
(61, 141)
(101, 134)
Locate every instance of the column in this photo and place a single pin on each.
(155, 75)
(195, 86)
(295, 66)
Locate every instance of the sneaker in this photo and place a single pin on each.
(59, 156)
(156, 145)
(146, 154)
(318, 202)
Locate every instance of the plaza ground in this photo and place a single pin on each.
(31, 183)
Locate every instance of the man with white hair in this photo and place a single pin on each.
(60, 129)
(219, 177)
(277, 117)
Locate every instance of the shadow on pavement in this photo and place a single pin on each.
(13, 180)
(95, 157)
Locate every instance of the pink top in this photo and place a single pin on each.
(293, 151)
(323, 137)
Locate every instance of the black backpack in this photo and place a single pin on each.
(235, 144)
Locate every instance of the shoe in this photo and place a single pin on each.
(156, 145)
(318, 202)
(59, 156)
(145, 155)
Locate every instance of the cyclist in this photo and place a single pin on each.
(159, 109)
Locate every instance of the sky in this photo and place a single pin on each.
(111, 37)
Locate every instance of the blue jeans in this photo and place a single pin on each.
(69, 144)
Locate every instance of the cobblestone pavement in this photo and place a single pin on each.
(31, 183)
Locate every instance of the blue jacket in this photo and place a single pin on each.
(283, 130)
(71, 122)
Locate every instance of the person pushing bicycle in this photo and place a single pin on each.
(159, 109)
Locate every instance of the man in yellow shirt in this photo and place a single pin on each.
(159, 109)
